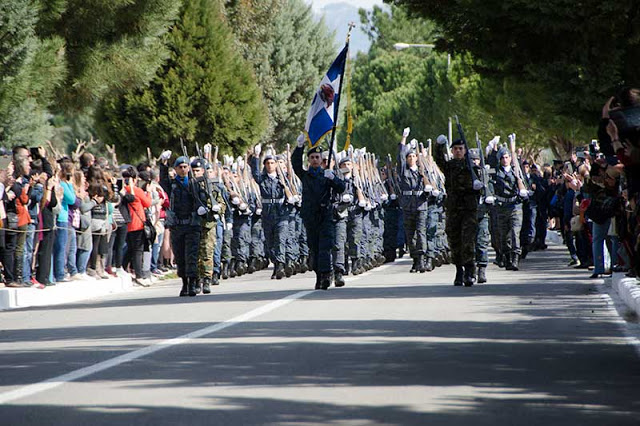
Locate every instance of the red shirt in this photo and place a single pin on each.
(136, 209)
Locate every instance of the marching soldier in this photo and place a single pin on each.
(275, 214)
(529, 211)
(209, 221)
(461, 209)
(184, 219)
(318, 187)
(413, 201)
(482, 235)
(348, 217)
(509, 194)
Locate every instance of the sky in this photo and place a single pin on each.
(345, 11)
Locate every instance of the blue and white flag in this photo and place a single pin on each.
(324, 107)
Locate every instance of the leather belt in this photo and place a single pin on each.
(506, 200)
(272, 200)
(409, 193)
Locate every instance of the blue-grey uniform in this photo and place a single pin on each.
(183, 220)
(508, 208)
(317, 214)
(413, 201)
(529, 213)
(391, 210)
(275, 215)
(482, 234)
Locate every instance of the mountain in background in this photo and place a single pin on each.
(337, 17)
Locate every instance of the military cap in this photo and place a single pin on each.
(526, 163)
(314, 150)
(181, 160)
(325, 155)
(197, 163)
(502, 152)
(268, 157)
(344, 160)
(474, 154)
(457, 142)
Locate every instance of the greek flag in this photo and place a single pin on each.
(323, 113)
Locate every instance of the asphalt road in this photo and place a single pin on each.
(540, 346)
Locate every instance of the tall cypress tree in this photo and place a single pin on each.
(204, 93)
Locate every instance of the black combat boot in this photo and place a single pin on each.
(389, 256)
(447, 258)
(288, 270)
(295, 267)
(515, 262)
(380, 259)
(279, 270)
(225, 270)
(303, 264)
(428, 266)
(206, 285)
(199, 284)
(482, 277)
(508, 265)
(421, 266)
(318, 286)
(216, 279)
(401, 253)
(185, 287)
(458, 281)
(241, 268)
(251, 266)
(325, 280)
(414, 267)
(438, 260)
(469, 274)
(193, 283)
(498, 261)
(232, 269)
(355, 266)
(339, 279)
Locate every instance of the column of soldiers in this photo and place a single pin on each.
(241, 215)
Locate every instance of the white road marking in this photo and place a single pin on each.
(114, 362)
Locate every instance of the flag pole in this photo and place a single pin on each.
(337, 104)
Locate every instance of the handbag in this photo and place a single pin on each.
(12, 220)
(150, 233)
(576, 223)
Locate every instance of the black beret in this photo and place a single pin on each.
(457, 142)
(315, 150)
(197, 163)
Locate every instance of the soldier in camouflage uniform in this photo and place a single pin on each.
(209, 221)
(461, 209)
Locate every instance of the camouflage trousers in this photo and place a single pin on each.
(461, 228)
(206, 249)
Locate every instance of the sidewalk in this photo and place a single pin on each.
(12, 298)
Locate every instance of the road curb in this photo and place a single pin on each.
(628, 290)
(13, 298)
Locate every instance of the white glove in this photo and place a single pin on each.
(347, 198)
(229, 226)
(441, 140)
(300, 140)
(477, 185)
(165, 155)
(291, 200)
(490, 199)
(393, 196)
(240, 161)
(216, 208)
(258, 212)
(435, 192)
(368, 207)
(487, 167)
(257, 149)
(384, 197)
(207, 148)
(406, 132)
(243, 206)
(413, 143)
(297, 198)
(512, 138)
(329, 174)
(235, 201)
(428, 188)
(530, 193)
(524, 193)
(362, 203)
(202, 211)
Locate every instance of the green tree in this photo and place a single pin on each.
(204, 93)
(577, 53)
(289, 51)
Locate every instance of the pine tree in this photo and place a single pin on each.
(204, 93)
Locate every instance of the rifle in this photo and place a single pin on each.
(207, 187)
(515, 163)
(474, 177)
(422, 166)
(485, 176)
